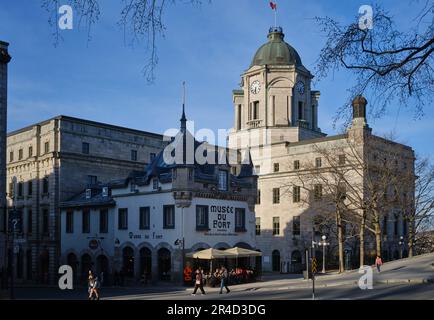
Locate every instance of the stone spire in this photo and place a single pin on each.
(183, 118)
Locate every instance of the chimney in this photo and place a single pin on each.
(4, 60)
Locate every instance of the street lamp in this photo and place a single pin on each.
(401, 245)
(323, 243)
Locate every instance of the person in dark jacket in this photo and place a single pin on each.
(224, 280)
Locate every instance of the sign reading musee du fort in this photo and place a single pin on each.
(222, 219)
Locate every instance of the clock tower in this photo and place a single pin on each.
(275, 102)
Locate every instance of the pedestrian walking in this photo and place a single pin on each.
(378, 263)
(224, 280)
(198, 284)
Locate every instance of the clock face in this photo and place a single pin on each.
(300, 87)
(255, 87)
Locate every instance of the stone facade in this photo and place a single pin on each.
(4, 60)
(276, 116)
(53, 160)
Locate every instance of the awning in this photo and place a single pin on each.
(209, 254)
(243, 253)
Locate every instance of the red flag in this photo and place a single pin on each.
(273, 5)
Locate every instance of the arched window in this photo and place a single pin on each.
(72, 261)
(128, 261)
(296, 257)
(86, 265)
(164, 263)
(276, 260)
(145, 262)
(102, 266)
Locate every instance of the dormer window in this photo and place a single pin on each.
(223, 180)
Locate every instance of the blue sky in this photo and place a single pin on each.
(208, 46)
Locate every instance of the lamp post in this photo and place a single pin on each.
(323, 243)
(401, 245)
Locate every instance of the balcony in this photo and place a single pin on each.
(301, 123)
(256, 123)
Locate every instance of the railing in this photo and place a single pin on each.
(303, 124)
(254, 123)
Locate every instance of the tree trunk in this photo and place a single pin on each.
(362, 241)
(340, 241)
(378, 237)
(411, 234)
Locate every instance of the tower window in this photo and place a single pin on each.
(255, 110)
(239, 117)
(85, 148)
(300, 110)
(276, 167)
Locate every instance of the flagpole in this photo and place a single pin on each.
(275, 18)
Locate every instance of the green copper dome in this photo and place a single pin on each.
(276, 51)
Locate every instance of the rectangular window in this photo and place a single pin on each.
(11, 156)
(202, 218)
(20, 154)
(295, 194)
(296, 164)
(47, 147)
(133, 187)
(385, 223)
(276, 195)
(396, 225)
(85, 221)
(258, 197)
(256, 110)
(70, 222)
(30, 151)
(342, 191)
(318, 192)
(404, 228)
(300, 110)
(342, 159)
(20, 189)
(85, 148)
(11, 190)
(223, 180)
(240, 220)
(29, 221)
(45, 185)
(258, 226)
(276, 226)
(133, 155)
(45, 217)
(123, 219)
(276, 167)
(239, 117)
(152, 156)
(318, 162)
(169, 217)
(103, 221)
(92, 180)
(296, 226)
(145, 218)
(30, 188)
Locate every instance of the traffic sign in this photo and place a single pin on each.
(314, 265)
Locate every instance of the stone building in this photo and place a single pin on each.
(276, 120)
(146, 222)
(4, 60)
(49, 162)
